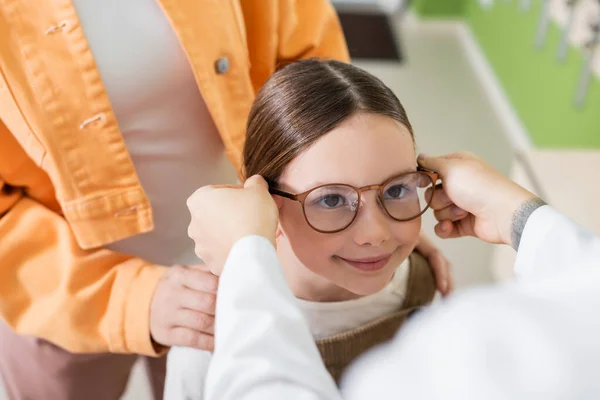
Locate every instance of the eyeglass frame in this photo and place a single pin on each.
(301, 197)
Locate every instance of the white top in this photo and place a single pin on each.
(327, 319)
(167, 128)
(532, 340)
(187, 368)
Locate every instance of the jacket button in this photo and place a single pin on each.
(222, 65)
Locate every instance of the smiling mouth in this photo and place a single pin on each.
(368, 264)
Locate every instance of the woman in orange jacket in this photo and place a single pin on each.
(111, 114)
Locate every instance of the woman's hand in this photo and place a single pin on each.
(439, 263)
(222, 215)
(182, 312)
(183, 307)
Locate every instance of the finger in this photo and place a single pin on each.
(446, 283)
(236, 186)
(446, 230)
(194, 320)
(439, 264)
(197, 301)
(440, 198)
(450, 213)
(436, 260)
(201, 267)
(451, 285)
(443, 274)
(449, 230)
(190, 338)
(256, 181)
(197, 280)
(437, 164)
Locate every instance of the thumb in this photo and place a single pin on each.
(256, 181)
(438, 164)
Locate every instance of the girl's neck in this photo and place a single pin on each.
(329, 294)
(306, 285)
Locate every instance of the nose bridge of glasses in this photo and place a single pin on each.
(360, 202)
(367, 188)
(363, 189)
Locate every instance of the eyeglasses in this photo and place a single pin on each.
(333, 207)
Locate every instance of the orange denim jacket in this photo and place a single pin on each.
(67, 184)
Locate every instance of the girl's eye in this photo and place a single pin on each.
(395, 192)
(331, 201)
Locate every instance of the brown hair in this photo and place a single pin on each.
(301, 103)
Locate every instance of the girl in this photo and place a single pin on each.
(337, 149)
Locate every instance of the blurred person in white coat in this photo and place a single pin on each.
(535, 339)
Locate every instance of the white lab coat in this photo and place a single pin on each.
(539, 339)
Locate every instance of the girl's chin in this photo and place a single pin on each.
(363, 287)
(363, 284)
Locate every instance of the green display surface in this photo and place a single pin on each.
(540, 89)
(439, 8)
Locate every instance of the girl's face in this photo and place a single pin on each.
(366, 149)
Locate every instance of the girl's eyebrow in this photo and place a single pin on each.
(314, 184)
(404, 171)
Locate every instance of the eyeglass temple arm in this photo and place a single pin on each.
(281, 193)
(421, 169)
(434, 178)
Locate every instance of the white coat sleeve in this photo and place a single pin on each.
(263, 346)
(186, 373)
(552, 242)
(535, 341)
